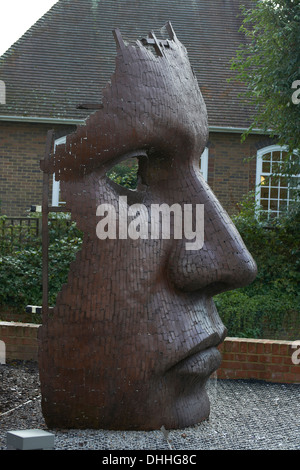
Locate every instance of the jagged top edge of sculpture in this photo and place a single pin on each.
(158, 44)
(162, 48)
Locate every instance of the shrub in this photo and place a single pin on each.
(269, 307)
(271, 304)
(124, 174)
(21, 269)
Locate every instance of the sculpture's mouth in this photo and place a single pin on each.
(200, 364)
(202, 360)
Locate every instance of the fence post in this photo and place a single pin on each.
(45, 230)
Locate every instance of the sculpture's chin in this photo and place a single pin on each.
(191, 410)
(142, 410)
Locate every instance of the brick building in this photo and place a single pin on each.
(67, 57)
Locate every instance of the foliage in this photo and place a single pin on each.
(21, 269)
(124, 175)
(269, 65)
(269, 307)
(13, 236)
(259, 315)
(272, 301)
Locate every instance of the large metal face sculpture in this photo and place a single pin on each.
(133, 336)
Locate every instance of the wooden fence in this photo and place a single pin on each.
(18, 230)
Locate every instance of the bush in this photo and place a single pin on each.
(21, 269)
(125, 174)
(269, 307)
(271, 304)
(15, 235)
(267, 315)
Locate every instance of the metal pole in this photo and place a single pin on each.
(45, 231)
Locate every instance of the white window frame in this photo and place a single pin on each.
(56, 184)
(259, 174)
(204, 163)
(2, 92)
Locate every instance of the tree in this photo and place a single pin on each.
(269, 65)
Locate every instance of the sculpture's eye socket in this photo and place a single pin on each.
(126, 172)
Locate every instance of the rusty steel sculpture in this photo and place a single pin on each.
(133, 337)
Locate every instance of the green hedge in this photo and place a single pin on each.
(125, 174)
(270, 306)
(21, 267)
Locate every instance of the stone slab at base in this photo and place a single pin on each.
(29, 439)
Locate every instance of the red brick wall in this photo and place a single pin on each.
(20, 340)
(14, 314)
(243, 358)
(231, 174)
(261, 359)
(22, 146)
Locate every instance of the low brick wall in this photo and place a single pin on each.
(243, 358)
(262, 359)
(11, 314)
(20, 340)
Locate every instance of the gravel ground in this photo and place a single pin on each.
(245, 415)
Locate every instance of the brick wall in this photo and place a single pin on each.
(20, 340)
(231, 172)
(243, 358)
(14, 314)
(261, 359)
(22, 146)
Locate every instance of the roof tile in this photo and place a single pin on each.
(68, 56)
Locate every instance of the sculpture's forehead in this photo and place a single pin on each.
(153, 97)
(165, 80)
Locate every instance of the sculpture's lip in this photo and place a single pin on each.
(202, 359)
(200, 364)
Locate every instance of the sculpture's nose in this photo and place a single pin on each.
(223, 263)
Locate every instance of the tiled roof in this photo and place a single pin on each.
(68, 56)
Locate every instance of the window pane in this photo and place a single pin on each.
(276, 156)
(295, 182)
(265, 180)
(276, 167)
(274, 193)
(276, 179)
(266, 167)
(294, 194)
(283, 193)
(283, 182)
(264, 193)
(273, 205)
(283, 205)
(266, 157)
(264, 204)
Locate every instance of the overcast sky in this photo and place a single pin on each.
(16, 16)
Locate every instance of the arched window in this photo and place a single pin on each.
(274, 193)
